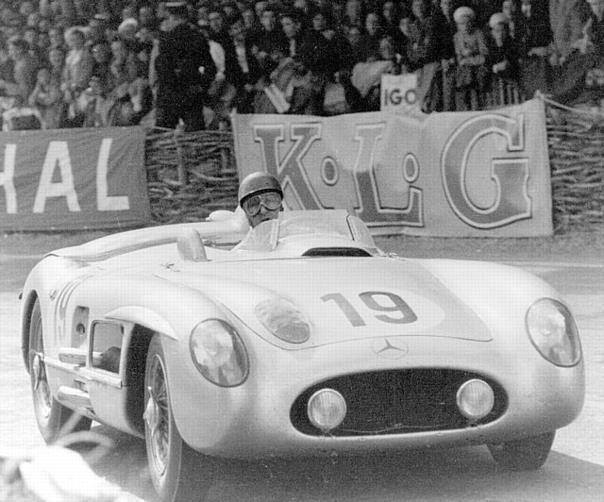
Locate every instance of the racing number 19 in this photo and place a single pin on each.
(370, 298)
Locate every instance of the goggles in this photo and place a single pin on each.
(270, 201)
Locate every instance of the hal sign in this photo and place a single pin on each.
(69, 179)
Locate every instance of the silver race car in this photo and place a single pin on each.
(295, 338)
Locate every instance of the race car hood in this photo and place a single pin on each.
(342, 298)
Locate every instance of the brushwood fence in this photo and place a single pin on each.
(193, 174)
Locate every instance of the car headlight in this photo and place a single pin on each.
(553, 331)
(218, 353)
(284, 320)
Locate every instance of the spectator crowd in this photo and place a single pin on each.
(100, 63)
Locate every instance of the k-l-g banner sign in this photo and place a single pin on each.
(445, 174)
(72, 179)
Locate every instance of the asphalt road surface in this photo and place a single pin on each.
(574, 470)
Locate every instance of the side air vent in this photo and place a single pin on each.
(343, 251)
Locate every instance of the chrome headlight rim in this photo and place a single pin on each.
(573, 336)
(238, 347)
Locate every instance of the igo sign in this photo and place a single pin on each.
(399, 93)
(450, 174)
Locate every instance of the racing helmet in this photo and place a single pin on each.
(258, 182)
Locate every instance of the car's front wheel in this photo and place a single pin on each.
(54, 420)
(523, 454)
(178, 472)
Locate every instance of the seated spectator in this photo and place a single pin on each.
(47, 99)
(470, 52)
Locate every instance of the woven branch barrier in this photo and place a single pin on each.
(576, 152)
(192, 174)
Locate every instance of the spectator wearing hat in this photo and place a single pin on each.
(470, 53)
(501, 61)
(184, 70)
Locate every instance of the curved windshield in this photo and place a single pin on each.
(267, 235)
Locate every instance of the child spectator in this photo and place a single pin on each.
(470, 52)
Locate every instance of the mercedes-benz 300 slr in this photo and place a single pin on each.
(295, 338)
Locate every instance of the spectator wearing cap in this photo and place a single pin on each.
(184, 69)
(501, 60)
(533, 37)
(470, 53)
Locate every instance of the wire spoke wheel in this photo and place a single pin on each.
(177, 471)
(54, 420)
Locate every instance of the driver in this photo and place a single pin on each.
(260, 197)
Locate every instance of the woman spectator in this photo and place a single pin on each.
(502, 62)
(470, 52)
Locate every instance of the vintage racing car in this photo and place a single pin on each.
(295, 338)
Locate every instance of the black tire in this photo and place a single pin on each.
(179, 473)
(54, 420)
(526, 454)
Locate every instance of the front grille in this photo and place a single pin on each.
(398, 402)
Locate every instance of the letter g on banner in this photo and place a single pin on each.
(510, 174)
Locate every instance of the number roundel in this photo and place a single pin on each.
(393, 309)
